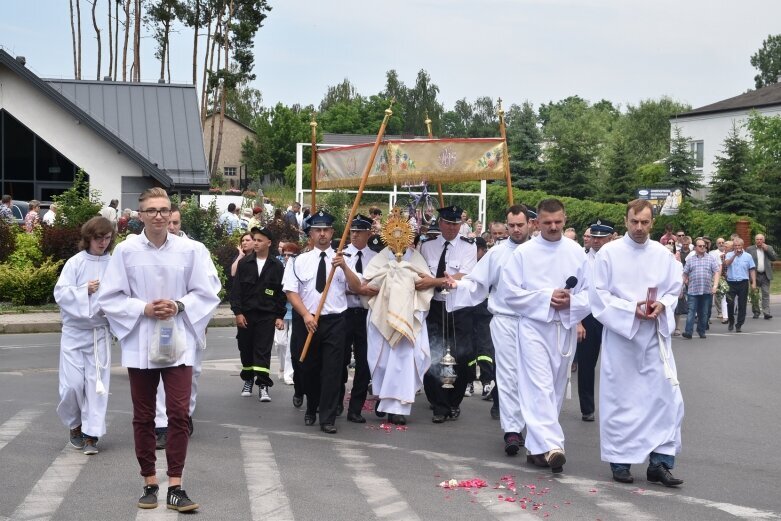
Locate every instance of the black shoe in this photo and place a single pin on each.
(378, 414)
(309, 419)
(623, 476)
(438, 418)
(397, 419)
(661, 474)
(178, 500)
(756, 315)
(190, 426)
(149, 499)
(512, 443)
(495, 413)
(686, 335)
(355, 418)
(768, 316)
(455, 412)
(702, 335)
(738, 330)
(537, 460)
(730, 326)
(328, 428)
(162, 438)
(339, 409)
(298, 401)
(588, 417)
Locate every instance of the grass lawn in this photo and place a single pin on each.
(775, 285)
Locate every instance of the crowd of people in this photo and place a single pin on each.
(522, 306)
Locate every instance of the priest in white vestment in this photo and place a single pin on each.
(640, 403)
(398, 350)
(85, 346)
(547, 287)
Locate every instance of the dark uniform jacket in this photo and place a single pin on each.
(253, 293)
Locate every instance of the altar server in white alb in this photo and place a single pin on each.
(473, 289)
(159, 292)
(547, 287)
(398, 353)
(85, 348)
(640, 403)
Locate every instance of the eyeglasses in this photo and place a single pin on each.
(700, 245)
(152, 212)
(103, 238)
(679, 235)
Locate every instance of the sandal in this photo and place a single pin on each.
(677, 332)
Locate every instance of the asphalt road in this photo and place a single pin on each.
(251, 460)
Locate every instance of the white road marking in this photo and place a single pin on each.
(264, 483)
(16, 424)
(47, 494)
(382, 496)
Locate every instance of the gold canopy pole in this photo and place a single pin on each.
(439, 185)
(313, 164)
(353, 211)
(507, 177)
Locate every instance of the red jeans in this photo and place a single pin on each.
(177, 382)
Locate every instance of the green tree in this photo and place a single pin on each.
(288, 126)
(680, 165)
(245, 104)
(733, 188)
(646, 128)
(524, 139)
(767, 60)
(766, 159)
(455, 123)
(621, 185)
(485, 121)
(422, 102)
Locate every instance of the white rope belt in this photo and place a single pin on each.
(664, 357)
(99, 387)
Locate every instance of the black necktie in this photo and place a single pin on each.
(441, 265)
(320, 281)
(358, 263)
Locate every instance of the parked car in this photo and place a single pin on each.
(20, 209)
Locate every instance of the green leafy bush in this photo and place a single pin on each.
(27, 253)
(78, 204)
(7, 239)
(29, 285)
(338, 204)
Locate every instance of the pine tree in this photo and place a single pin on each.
(680, 166)
(734, 189)
(621, 185)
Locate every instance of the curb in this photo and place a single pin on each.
(55, 326)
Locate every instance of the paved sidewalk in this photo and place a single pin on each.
(51, 323)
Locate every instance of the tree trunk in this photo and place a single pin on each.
(110, 42)
(214, 115)
(196, 26)
(225, 86)
(73, 40)
(137, 42)
(78, 37)
(116, 38)
(208, 64)
(97, 35)
(127, 37)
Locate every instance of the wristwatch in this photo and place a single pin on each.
(179, 307)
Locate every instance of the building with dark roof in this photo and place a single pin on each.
(125, 136)
(707, 127)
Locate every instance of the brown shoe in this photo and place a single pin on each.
(556, 460)
(537, 460)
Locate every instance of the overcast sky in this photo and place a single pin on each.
(696, 51)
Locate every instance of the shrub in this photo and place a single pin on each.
(61, 242)
(338, 204)
(28, 250)
(29, 285)
(78, 204)
(7, 239)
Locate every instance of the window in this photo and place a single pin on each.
(697, 148)
(229, 171)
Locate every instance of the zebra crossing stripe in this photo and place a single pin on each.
(499, 509)
(264, 482)
(161, 512)
(48, 492)
(16, 424)
(382, 496)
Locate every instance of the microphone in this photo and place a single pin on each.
(571, 283)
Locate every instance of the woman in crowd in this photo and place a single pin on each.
(32, 219)
(85, 348)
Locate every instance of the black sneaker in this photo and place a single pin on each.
(512, 443)
(77, 438)
(178, 500)
(190, 426)
(162, 438)
(661, 474)
(149, 499)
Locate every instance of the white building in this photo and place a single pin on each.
(707, 127)
(125, 136)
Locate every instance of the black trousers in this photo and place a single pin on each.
(321, 370)
(737, 290)
(483, 345)
(355, 343)
(587, 356)
(296, 345)
(453, 329)
(255, 343)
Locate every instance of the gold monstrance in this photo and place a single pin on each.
(397, 233)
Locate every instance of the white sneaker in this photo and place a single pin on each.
(247, 389)
(470, 388)
(289, 381)
(263, 394)
(487, 388)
